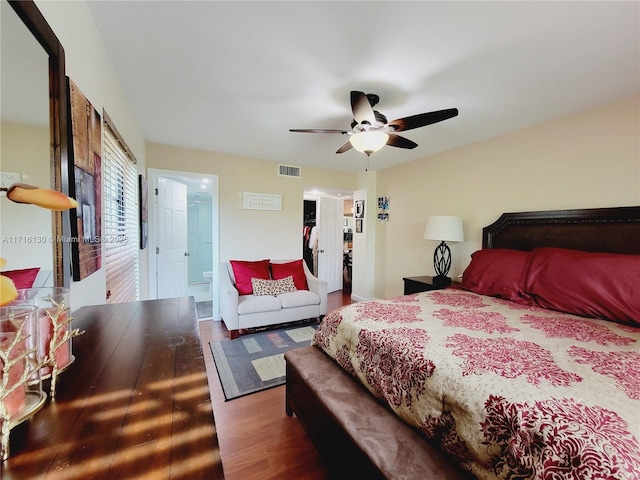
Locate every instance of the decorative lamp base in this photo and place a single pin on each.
(442, 260)
(441, 281)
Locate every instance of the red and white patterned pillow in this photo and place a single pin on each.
(273, 287)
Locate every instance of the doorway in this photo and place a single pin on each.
(325, 214)
(200, 245)
(184, 259)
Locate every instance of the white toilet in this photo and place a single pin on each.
(209, 277)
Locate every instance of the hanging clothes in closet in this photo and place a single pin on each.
(308, 243)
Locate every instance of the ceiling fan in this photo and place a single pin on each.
(370, 130)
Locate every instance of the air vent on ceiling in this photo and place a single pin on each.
(288, 171)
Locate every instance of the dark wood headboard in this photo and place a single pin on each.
(612, 230)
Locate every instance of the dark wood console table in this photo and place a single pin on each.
(134, 404)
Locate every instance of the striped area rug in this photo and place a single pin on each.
(254, 362)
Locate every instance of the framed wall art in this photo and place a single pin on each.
(85, 184)
(144, 221)
(261, 201)
(383, 209)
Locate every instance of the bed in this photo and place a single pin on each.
(529, 369)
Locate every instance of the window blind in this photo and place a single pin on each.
(121, 220)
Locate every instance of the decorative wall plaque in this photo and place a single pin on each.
(261, 201)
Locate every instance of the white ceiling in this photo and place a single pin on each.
(235, 76)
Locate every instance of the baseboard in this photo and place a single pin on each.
(357, 298)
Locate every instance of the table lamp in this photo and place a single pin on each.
(443, 228)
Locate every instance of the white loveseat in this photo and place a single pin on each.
(250, 311)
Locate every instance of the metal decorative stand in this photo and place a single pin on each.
(21, 394)
(55, 327)
(35, 344)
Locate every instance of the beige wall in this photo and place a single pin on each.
(587, 160)
(88, 65)
(26, 230)
(252, 234)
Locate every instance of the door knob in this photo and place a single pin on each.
(186, 254)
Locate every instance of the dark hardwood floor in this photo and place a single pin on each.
(257, 440)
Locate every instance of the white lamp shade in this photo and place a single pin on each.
(368, 142)
(444, 228)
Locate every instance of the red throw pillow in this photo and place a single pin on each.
(497, 273)
(22, 278)
(295, 269)
(244, 271)
(601, 285)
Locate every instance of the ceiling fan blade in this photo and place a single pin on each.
(422, 119)
(361, 108)
(400, 142)
(344, 147)
(317, 130)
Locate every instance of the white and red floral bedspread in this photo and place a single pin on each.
(509, 391)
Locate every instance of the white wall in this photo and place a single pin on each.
(88, 65)
(365, 243)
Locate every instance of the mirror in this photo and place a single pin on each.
(33, 139)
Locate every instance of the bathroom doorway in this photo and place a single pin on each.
(202, 249)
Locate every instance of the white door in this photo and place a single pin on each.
(171, 253)
(329, 213)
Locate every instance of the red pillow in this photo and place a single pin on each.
(601, 285)
(244, 271)
(22, 278)
(295, 268)
(497, 273)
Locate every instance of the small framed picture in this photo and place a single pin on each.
(358, 225)
(359, 213)
(383, 203)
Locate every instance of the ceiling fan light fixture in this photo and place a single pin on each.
(368, 142)
(369, 127)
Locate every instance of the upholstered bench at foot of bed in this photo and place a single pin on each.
(354, 433)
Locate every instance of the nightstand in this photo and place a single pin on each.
(420, 284)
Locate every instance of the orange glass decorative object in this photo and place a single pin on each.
(42, 197)
(8, 292)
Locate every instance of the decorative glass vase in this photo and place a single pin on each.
(54, 329)
(21, 394)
